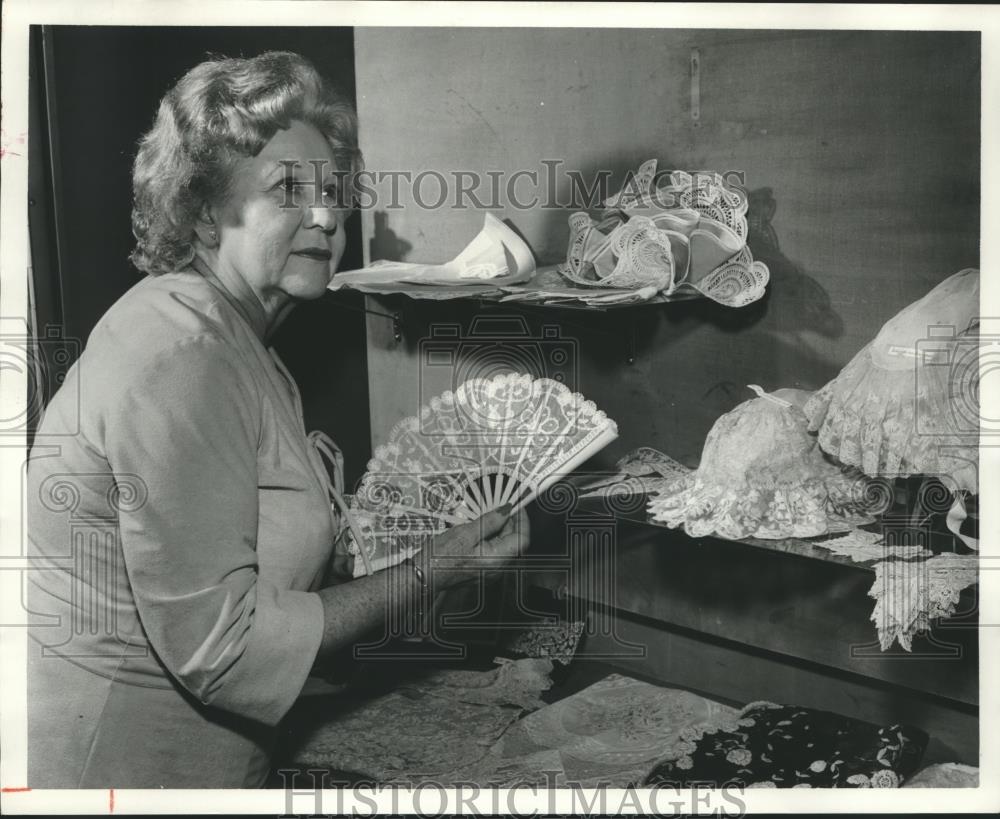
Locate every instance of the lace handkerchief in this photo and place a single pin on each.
(613, 732)
(909, 594)
(496, 256)
(643, 471)
(427, 730)
(862, 547)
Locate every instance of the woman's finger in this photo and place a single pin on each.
(512, 539)
(492, 523)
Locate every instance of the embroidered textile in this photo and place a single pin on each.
(788, 746)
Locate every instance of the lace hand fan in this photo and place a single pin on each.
(493, 441)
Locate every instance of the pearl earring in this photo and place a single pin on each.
(213, 235)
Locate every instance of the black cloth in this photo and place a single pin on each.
(785, 746)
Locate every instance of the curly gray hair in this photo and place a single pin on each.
(221, 110)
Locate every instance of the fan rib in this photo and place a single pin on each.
(544, 462)
(606, 436)
(498, 486)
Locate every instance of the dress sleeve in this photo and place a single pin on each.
(189, 430)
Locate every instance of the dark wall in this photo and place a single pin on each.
(99, 87)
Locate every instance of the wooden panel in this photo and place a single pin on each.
(864, 144)
(726, 672)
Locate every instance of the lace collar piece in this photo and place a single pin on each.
(689, 234)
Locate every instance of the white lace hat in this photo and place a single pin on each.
(763, 475)
(908, 402)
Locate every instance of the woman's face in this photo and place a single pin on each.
(279, 230)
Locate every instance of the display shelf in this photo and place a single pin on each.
(797, 606)
(547, 288)
(633, 509)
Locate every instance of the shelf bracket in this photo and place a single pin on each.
(696, 87)
(395, 317)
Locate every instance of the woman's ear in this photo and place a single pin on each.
(205, 229)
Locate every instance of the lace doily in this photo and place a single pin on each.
(908, 402)
(709, 194)
(945, 775)
(762, 475)
(909, 594)
(429, 730)
(862, 547)
(621, 721)
(635, 254)
(736, 283)
(557, 642)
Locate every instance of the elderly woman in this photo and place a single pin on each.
(168, 646)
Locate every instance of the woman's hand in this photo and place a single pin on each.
(487, 543)
(352, 610)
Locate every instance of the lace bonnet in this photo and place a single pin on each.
(763, 475)
(908, 402)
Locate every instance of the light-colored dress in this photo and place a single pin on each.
(185, 525)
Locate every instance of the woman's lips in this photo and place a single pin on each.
(318, 254)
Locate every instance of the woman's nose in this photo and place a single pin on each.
(323, 218)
